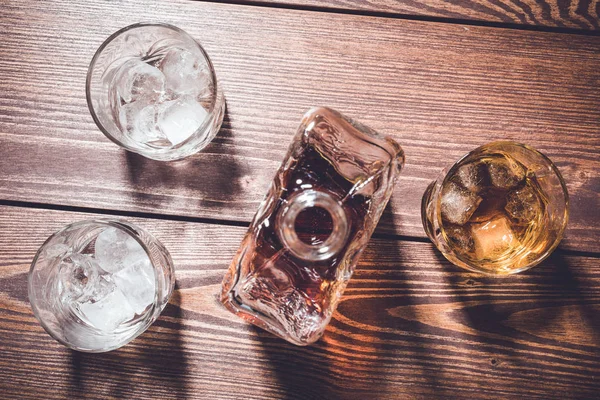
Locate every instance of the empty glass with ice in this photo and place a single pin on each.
(499, 210)
(152, 89)
(96, 285)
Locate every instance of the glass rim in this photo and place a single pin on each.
(205, 124)
(111, 222)
(468, 264)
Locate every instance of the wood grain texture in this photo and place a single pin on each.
(409, 326)
(578, 14)
(439, 89)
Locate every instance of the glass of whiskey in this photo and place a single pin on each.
(499, 210)
(311, 228)
(152, 89)
(96, 285)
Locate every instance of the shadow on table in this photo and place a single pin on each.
(553, 304)
(399, 337)
(154, 365)
(214, 171)
(528, 307)
(300, 372)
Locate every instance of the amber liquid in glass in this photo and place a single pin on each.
(493, 213)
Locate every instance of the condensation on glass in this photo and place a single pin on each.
(96, 285)
(308, 234)
(152, 89)
(499, 210)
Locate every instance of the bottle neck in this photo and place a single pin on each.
(286, 225)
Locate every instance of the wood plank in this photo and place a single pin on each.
(577, 14)
(409, 325)
(439, 89)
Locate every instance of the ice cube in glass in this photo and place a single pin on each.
(96, 285)
(499, 210)
(152, 89)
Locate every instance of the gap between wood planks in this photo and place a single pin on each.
(216, 221)
(383, 14)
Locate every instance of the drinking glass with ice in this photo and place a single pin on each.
(499, 210)
(152, 89)
(96, 285)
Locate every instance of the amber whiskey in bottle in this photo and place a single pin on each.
(308, 234)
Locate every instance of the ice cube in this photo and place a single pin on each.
(505, 173)
(137, 283)
(179, 119)
(460, 237)
(77, 276)
(186, 73)
(523, 204)
(489, 208)
(108, 312)
(99, 289)
(458, 204)
(139, 121)
(137, 80)
(472, 176)
(116, 249)
(493, 238)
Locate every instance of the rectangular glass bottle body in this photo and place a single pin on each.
(289, 274)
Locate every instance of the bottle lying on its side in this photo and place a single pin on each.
(308, 234)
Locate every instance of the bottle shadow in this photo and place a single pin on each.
(212, 175)
(300, 372)
(152, 365)
(400, 335)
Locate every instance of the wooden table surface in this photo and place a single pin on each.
(442, 77)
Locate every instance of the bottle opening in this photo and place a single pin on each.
(312, 225)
